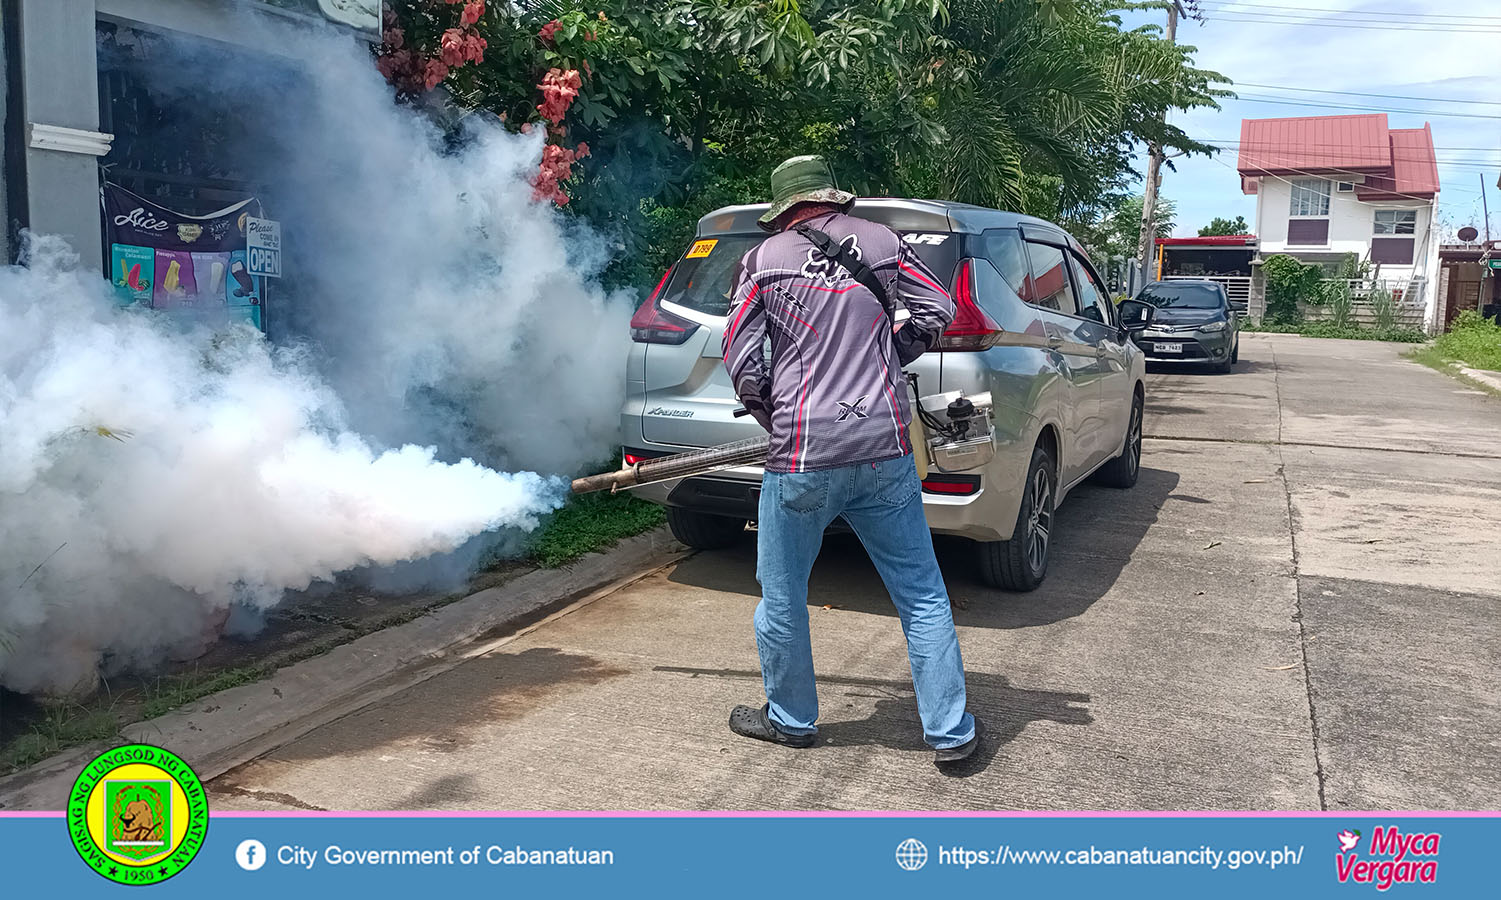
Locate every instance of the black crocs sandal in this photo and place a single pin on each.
(952, 755)
(750, 722)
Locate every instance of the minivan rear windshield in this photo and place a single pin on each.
(701, 279)
(1181, 296)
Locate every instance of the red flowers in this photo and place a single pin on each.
(557, 166)
(452, 47)
(559, 88)
(548, 30)
(410, 69)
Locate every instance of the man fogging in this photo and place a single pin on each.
(834, 399)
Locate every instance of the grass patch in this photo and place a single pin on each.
(1435, 359)
(1472, 340)
(592, 522)
(179, 690)
(63, 726)
(1327, 329)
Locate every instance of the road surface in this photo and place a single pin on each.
(1296, 608)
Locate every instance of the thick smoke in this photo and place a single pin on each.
(150, 478)
(444, 301)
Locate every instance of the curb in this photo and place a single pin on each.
(228, 729)
(1490, 379)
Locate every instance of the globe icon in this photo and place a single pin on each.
(911, 854)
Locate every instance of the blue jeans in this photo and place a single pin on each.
(883, 504)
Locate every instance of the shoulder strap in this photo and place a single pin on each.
(840, 254)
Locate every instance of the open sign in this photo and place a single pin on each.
(263, 247)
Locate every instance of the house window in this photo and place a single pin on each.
(1396, 221)
(1345, 187)
(1310, 197)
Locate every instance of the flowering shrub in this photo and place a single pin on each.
(413, 69)
(556, 168)
(559, 88)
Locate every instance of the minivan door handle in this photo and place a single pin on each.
(1055, 340)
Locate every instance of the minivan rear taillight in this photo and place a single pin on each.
(652, 325)
(971, 329)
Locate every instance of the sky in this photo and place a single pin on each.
(1316, 45)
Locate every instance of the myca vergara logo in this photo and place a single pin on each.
(137, 814)
(1390, 858)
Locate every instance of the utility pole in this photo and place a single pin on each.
(1485, 205)
(1145, 241)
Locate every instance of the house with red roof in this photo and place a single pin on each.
(1327, 186)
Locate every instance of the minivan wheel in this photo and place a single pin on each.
(1021, 563)
(703, 531)
(1122, 471)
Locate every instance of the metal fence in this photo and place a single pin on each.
(1405, 309)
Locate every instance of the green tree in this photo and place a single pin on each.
(1047, 102)
(1033, 106)
(1221, 226)
(1113, 233)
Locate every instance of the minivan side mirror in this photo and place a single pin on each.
(1136, 316)
(1240, 307)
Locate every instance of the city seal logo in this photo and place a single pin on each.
(137, 814)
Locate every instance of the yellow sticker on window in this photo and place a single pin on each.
(700, 249)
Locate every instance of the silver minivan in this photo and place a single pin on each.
(1034, 326)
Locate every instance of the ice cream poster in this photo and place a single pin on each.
(172, 260)
(133, 272)
(240, 287)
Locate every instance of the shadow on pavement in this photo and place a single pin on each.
(1194, 367)
(1097, 531)
(439, 715)
(893, 722)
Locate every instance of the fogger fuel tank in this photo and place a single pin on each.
(955, 436)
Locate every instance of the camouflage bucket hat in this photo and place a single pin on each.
(802, 179)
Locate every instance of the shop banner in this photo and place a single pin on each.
(193, 265)
(362, 16)
(289, 855)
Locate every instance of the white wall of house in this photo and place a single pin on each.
(1352, 225)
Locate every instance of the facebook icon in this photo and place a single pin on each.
(251, 854)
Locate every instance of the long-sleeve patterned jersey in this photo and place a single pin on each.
(833, 394)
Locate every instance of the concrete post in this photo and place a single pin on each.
(1440, 301)
(5, 257)
(1256, 301)
(60, 87)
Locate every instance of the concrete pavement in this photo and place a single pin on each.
(1295, 608)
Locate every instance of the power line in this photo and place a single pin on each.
(1341, 12)
(1434, 201)
(1293, 101)
(1273, 149)
(1370, 24)
(1280, 87)
(1213, 140)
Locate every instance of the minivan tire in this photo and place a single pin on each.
(1014, 565)
(703, 531)
(1122, 471)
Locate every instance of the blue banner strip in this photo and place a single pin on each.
(335, 855)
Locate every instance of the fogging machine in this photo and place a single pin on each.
(951, 431)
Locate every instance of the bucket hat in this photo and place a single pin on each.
(802, 179)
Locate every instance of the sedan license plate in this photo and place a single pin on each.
(1168, 348)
